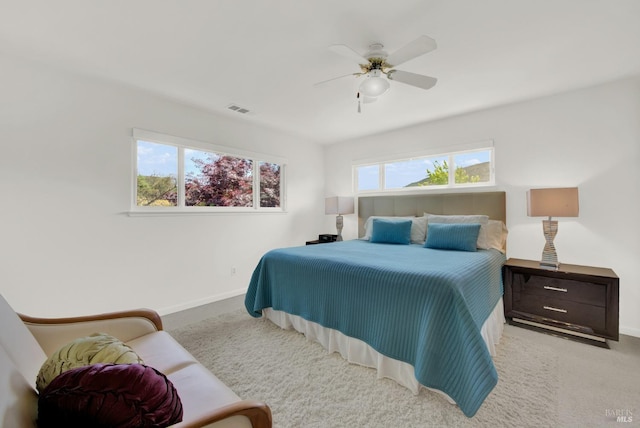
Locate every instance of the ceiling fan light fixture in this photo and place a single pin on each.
(374, 85)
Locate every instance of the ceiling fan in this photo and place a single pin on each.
(376, 62)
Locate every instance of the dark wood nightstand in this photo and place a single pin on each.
(578, 302)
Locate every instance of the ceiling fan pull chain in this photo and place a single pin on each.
(358, 97)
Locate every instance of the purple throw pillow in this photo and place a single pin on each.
(109, 395)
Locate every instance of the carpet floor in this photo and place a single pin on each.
(307, 387)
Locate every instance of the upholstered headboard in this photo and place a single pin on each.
(492, 204)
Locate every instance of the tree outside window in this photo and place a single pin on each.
(208, 179)
(471, 168)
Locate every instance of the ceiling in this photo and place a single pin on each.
(266, 56)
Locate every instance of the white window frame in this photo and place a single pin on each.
(381, 162)
(184, 143)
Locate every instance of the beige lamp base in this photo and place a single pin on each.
(339, 223)
(549, 255)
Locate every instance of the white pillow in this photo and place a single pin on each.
(494, 236)
(434, 218)
(418, 230)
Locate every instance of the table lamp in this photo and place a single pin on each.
(338, 205)
(555, 202)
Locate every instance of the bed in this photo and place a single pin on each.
(421, 315)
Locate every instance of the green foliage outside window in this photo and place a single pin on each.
(155, 191)
(440, 175)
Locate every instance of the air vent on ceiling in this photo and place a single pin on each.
(238, 109)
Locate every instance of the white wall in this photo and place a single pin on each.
(68, 246)
(588, 138)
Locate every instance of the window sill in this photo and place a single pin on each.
(178, 212)
(430, 189)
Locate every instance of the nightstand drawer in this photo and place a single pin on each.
(563, 311)
(560, 288)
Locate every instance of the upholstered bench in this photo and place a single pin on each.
(28, 342)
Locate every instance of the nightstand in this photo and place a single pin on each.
(577, 302)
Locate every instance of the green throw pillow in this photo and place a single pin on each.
(97, 348)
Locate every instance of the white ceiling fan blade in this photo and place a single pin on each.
(413, 79)
(346, 51)
(369, 100)
(335, 78)
(419, 46)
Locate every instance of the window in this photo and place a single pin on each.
(215, 180)
(178, 175)
(470, 168)
(368, 177)
(157, 184)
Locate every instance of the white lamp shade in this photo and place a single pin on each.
(558, 202)
(338, 205)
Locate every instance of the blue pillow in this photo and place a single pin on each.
(453, 236)
(387, 231)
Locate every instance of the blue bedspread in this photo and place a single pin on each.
(418, 305)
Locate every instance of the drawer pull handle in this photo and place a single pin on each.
(548, 287)
(551, 308)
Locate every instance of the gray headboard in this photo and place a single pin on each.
(492, 204)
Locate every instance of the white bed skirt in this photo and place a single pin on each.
(358, 352)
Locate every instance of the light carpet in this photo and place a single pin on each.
(307, 387)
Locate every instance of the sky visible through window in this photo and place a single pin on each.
(401, 173)
(162, 160)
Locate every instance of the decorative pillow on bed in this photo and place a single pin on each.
(453, 236)
(493, 235)
(387, 231)
(418, 230)
(434, 218)
(109, 395)
(484, 239)
(368, 225)
(97, 348)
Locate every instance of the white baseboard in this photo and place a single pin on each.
(630, 331)
(202, 311)
(200, 302)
